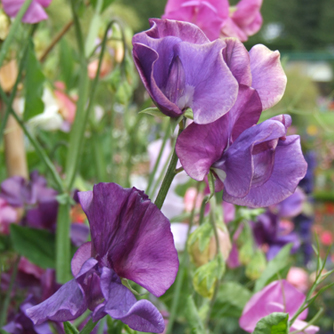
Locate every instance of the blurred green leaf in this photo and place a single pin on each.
(256, 266)
(275, 323)
(66, 63)
(278, 263)
(34, 82)
(193, 317)
(36, 245)
(231, 300)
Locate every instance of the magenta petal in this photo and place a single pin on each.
(66, 304)
(271, 299)
(199, 146)
(121, 304)
(34, 14)
(289, 168)
(269, 78)
(248, 12)
(299, 325)
(131, 235)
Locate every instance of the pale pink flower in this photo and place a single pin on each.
(298, 277)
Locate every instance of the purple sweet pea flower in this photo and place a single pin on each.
(278, 296)
(268, 231)
(292, 206)
(182, 69)
(34, 14)
(257, 167)
(130, 238)
(21, 324)
(34, 195)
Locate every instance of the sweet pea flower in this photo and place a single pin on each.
(180, 68)
(131, 239)
(209, 15)
(244, 20)
(258, 168)
(216, 18)
(269, 232)
(298, 277)
(34, 14)
(278, 296)
(39, 201)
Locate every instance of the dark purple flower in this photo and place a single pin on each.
(257, 166)
(292, 206)
(268, 231)
(182, 69)
(39, 201)
(130, 238)
(21, 324)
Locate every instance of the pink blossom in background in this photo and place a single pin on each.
(278, 296)
(298, 277)
(216, 18)
(67, 106)
(34, 14)
(245, 20)
(190, 197)
(8, 215)
(209, 15)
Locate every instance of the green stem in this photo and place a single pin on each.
(157, 162)
(13, 30)
(179, 278)
(4, 310)
(170, 174)
(63, 244)
(311, 322)
(88, 327)
(82, 114)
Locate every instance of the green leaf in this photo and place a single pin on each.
(193, 317)
(231, 300)
(277, 264)
(36, 245)
(256, 266)
(274, 323)
(66, 63)
(69, 328)
(206, 276)
(34, 82)
(153, 112)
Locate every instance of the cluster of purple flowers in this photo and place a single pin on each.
(227, 89)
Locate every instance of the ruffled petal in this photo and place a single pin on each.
(199, 146)
(293, 205)
(66, 304)
(131, 235)
(238, 161)
(209, 76)
(261, 304)
(121, 304)
(269, 78)
(289, 168)
(237, 59)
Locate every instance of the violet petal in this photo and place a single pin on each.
(131, 235)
